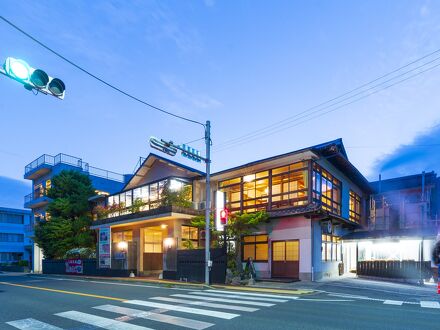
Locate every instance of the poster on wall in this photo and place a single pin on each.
(74, 266)
(104, 247)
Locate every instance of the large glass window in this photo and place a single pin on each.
(152, 241)
(355, 207)
(326, 189)
(190, 237)
(232, 188)
(122, 236)
(331, 248)
(290, 185)
(255, 247)
(5, 237)
(11, 218)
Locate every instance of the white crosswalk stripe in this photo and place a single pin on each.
(32, 324)
(136, 313)
(236, 301)
(223, 295)
(393, 302)
(429, 304)
(178, 308)
(207, 304)
(100, 322)
(252, 294)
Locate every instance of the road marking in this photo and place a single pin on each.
(429, 304)
(133, 313)
(269, 290)
(120, 284)
(393, 302)
(222, 295)
(207, 304)
(32, 324)
(254, 294)
(236, 301)
(343, 295)
(177, 308)
(61, 291)
(100, 322)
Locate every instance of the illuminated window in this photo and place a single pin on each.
(122, 236)
(331, 248)
(355, 207)
(290, 185)
(326, 189)
(48, 184)
(152, 241)
(190, 237)
(255, 247)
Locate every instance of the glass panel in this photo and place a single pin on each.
(292, 251)
(262, 174)
(280, 170)
(278, 251)
(249, 239)
(262, 188)
(249, 190)
(261, 252)
(229, 182)
(249, 251)
(261, 238)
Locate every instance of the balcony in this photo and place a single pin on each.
(43, 165)
(35, 199)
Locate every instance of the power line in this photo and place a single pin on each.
(96, 77)
(249, 136)
(334, 109)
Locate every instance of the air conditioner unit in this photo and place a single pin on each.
(202, 205)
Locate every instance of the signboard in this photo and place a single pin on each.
(74, 266)
(219, 206)
(104, 247)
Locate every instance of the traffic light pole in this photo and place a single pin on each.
(208, 201)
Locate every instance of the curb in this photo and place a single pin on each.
(186, 284)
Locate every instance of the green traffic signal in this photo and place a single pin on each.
(18, 69)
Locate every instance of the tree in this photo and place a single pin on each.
(179, 197)
(70, 216)
(239, 224)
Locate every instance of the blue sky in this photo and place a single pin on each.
(241, 64)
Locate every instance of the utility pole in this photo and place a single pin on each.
(208, 262)
(170, 148)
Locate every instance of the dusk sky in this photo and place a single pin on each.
(243, 65)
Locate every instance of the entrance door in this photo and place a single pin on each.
(285, 259)
(153, 237)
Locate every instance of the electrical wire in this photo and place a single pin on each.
(332, 110)
(98, 78)
(249, 136)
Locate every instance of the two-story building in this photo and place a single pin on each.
(44, 168)
(313, 197)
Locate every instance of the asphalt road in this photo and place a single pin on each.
(45, 302)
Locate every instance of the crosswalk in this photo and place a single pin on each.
(192, 310)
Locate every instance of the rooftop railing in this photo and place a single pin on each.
(73, 161)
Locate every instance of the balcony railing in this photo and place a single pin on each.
(73, 161)
(34, 196)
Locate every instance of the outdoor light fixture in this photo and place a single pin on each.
(168, 242)
(122, 245)
(32, 78)
(163, 226)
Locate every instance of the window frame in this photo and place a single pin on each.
(355, 213)
(255, 243)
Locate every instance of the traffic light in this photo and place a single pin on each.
(32, 78)
(224, 217)
(163, 146)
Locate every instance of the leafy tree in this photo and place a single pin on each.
(179, 197)
(239, 224)
(70, 216)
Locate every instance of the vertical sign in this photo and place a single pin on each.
(219, 206)
(104, 247)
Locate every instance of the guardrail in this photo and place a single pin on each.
(73, 161)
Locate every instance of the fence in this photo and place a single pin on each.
(58, 267)
(191, 266)
(406, 269)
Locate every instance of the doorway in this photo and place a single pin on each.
(153, 249)
(285, 259)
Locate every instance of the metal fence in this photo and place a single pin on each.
(406, 269)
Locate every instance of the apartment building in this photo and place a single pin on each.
(40, 172)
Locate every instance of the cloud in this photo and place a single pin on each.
(423, 154)
(181, 92)
(12, 192)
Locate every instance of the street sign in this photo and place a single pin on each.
(220, 198)
(163, 146)
(191, 153)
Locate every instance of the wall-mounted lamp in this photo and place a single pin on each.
(168, 242)
(123, 245)
(163, 226)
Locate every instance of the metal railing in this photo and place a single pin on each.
(73, 161)
(34, 195)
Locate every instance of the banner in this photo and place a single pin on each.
(104, 247)
(74, 266)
